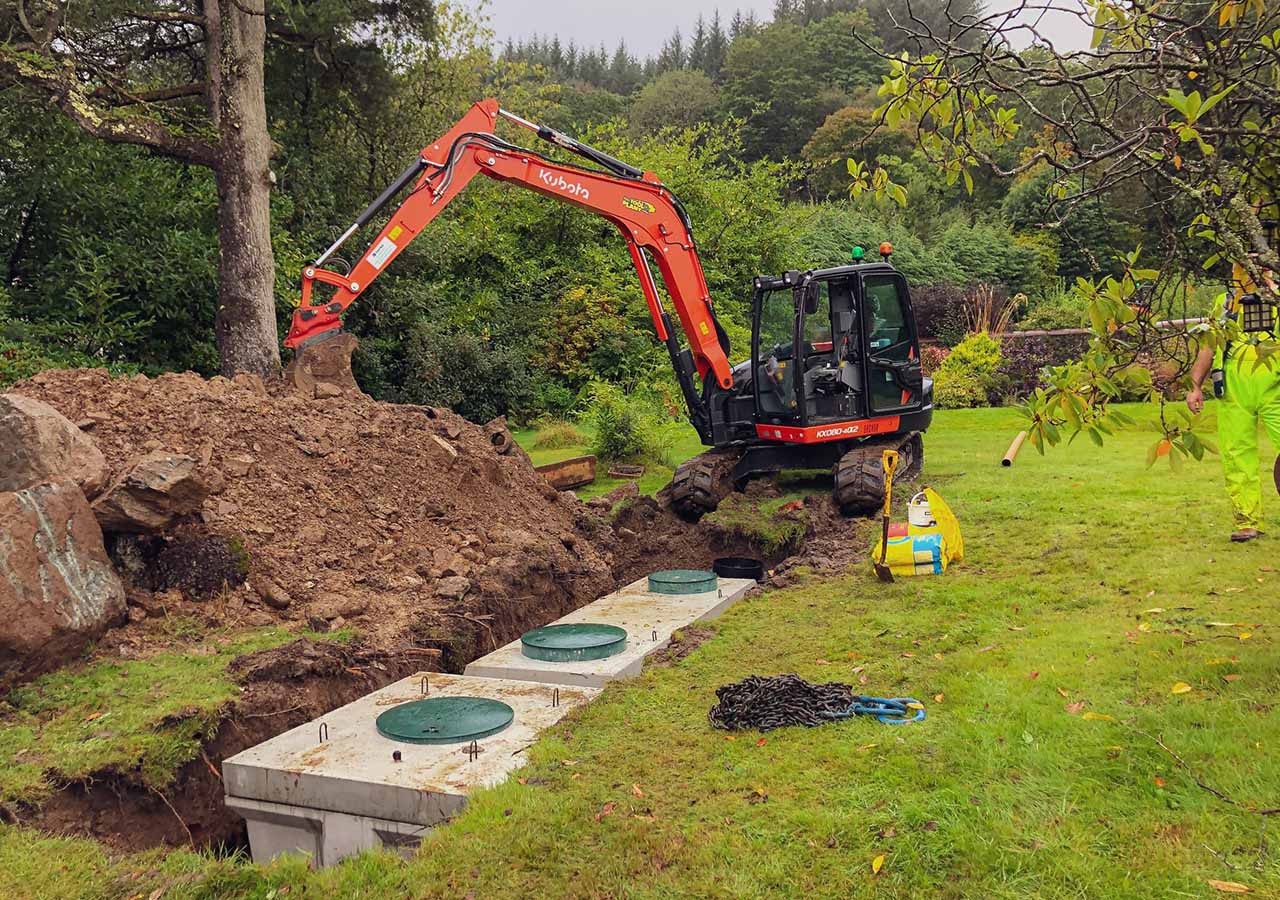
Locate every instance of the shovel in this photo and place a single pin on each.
(888, 462)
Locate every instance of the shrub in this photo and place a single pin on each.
(1057, 308)
(958, 389)
(979, 353)
(473, 376)
(932, 357)
(1023, 359)
(556, 434)
(626, 429)
(939, 311)
(969, 375)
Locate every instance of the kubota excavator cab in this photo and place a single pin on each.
(833, 379)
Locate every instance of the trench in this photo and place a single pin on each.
(293, 684)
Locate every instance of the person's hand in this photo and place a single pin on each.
(1195, 401)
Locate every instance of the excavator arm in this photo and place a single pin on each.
(651, 220)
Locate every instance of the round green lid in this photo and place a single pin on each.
(575, 641)
(683, 581)
(444, 720)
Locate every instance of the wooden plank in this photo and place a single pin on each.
(569, 473)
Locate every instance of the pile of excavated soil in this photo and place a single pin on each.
(404, 522)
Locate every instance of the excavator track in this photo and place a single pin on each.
(700, 483)
(859, 474)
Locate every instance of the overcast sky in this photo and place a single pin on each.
(646, 24)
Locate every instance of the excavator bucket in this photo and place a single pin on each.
(322, 368)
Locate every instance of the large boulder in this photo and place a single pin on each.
(58, 591)
(160, 489)
(38, 444)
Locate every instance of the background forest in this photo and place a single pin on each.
(511, 304)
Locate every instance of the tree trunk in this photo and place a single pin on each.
(246, 317)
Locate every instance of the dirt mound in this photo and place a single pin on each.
(400, 520)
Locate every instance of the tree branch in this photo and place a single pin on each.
(59, 83)
(120, 97)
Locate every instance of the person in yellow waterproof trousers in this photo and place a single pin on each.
(1252, 395)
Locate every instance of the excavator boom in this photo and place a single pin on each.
(648, 215)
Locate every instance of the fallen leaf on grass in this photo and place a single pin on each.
(1033, 676)
(866, 746)
(937, 656)
(1153, 610)
(988, 648)
(821, 662)
(863, 679)
(1180, 688)
(937, 698)
(729, 737)
(635, 789)
(1220, 624)
(568, 762)
(1061, 693)
(1075, 708)
(1098, 717)
(1245, 635)
(857, 670)
(606, 810)
(1218, 661)
(889, 832)
(1232, 677)
(1230, 887)
(1145, 626)
(1159, 781)
(877, 864)
(760, 743)
(915, 704)
(908, 656)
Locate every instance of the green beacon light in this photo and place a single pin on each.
(858, 253)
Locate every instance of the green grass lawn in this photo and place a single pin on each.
(684, 444)
(1100, 665)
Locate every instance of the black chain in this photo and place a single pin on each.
(779, 701)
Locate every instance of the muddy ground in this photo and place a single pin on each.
(407, 525)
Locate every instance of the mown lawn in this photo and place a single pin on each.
(1100, 678)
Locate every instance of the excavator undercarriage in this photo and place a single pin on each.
(700, 483)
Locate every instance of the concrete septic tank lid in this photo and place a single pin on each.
(445, 720)
(683, 581)
(573, 641)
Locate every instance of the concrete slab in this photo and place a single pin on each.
(331, 788)
(649, 619)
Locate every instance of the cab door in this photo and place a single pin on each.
(895, 380)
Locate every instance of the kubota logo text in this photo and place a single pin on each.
(572, 188)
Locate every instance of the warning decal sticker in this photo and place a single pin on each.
(381, 253)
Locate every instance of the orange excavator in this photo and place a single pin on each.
(834, 375)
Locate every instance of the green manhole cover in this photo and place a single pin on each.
(683, 581)
(569, 643)
(445, 720)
